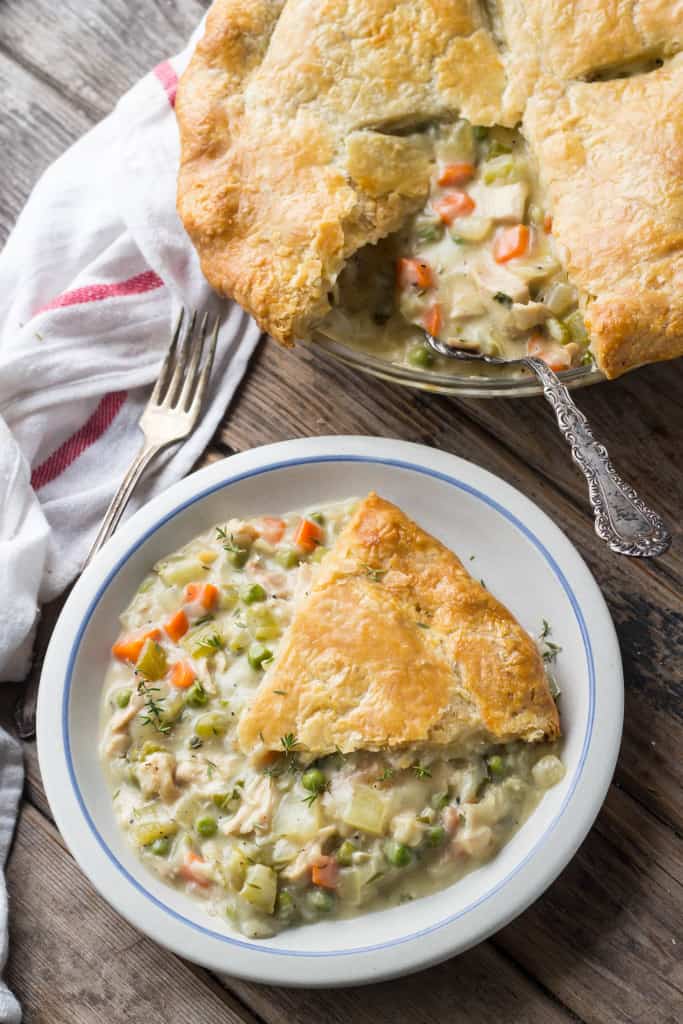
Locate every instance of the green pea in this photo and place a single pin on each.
(313, 780)
(122, 698)
(318, 518)
(253, 593)
(197, 696)
(345, 853)
(206, 826)
(420, 356)
(320, 900)
(213, 723)
(496, 765)
(288, 558)
(397, 853)
(285, 907)
(257, 654)
(238, 557)
(440, 800)
(480, 132)
(161, 846)
(435, 836)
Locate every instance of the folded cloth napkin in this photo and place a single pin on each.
(91, 280)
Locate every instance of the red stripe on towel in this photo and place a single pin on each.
(148, 281)
(91, 431)
(168, 79)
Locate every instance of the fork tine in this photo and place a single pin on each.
(198, 396)
(181, 363)
(165, 370)
(193, 368)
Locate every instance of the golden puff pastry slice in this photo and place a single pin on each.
(610, 155)
(301, 136)
(582, 38)
(397, 644)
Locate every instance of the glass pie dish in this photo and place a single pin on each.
(465, 383)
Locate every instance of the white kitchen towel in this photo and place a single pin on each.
(91, 279)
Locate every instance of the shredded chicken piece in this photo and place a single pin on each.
(256, 808)
(122, 718)
(308, 856)
(118, 745)
(155, 775)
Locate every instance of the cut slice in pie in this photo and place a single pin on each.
(395, 645)
(323, 161)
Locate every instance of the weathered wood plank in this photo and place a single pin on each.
(478, 987)
(73, 960)
(35, 127)
(604, 938)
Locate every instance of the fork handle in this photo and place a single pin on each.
(622, 518)
(122, 497)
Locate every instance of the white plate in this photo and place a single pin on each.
(500, 536)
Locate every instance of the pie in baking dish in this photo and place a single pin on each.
(397, 644)
(507, 176)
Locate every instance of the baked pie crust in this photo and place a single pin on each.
(302, 140)
(397, 644)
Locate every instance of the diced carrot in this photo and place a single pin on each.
(325, 872)
(128, 647)
(454, 204)
(188, 869)
(433, 320)
(308, 535)
(548, 224)
(205, 593)
(557, 357)
(182, 675)
(456, 174)
(272, 529)
(511, 242)
(177, 625)
(414, 272)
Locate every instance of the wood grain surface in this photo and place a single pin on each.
(603, 944)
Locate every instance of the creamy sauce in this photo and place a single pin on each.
(284, 839)
(477, 267)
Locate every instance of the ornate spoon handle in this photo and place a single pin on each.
(622, 519)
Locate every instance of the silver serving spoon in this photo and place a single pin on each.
(622, 518)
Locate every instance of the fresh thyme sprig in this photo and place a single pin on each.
(154, 708)
(227, 539)
(421, 771)
(550, 649)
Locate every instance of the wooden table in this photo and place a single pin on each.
(601, 944)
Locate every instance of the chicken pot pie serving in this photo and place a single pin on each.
(319, 714)
(368, 170)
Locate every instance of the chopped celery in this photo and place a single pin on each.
(472, 229)
(238, 557)
(428, 229)
(263, 623)
(182, 571)
(480, 132)
(558, 331)
(237, 868)
(498, 148)
(149, 747)
(146, 584)
(258, 655)
(366, 810)
(260, 887)
(228, 598)
(152, 660)
(213, 723)
(319, 553)
(576, 327)
(146, 832)
(345, 853)
(204, 644)
(503, 169)
(317, 517)
(239, 641)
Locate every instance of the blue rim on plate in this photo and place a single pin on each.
(400, 464)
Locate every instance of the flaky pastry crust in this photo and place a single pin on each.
(397, 644)
(611, 156)
(290, 159)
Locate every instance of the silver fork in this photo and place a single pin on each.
(170, 415)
